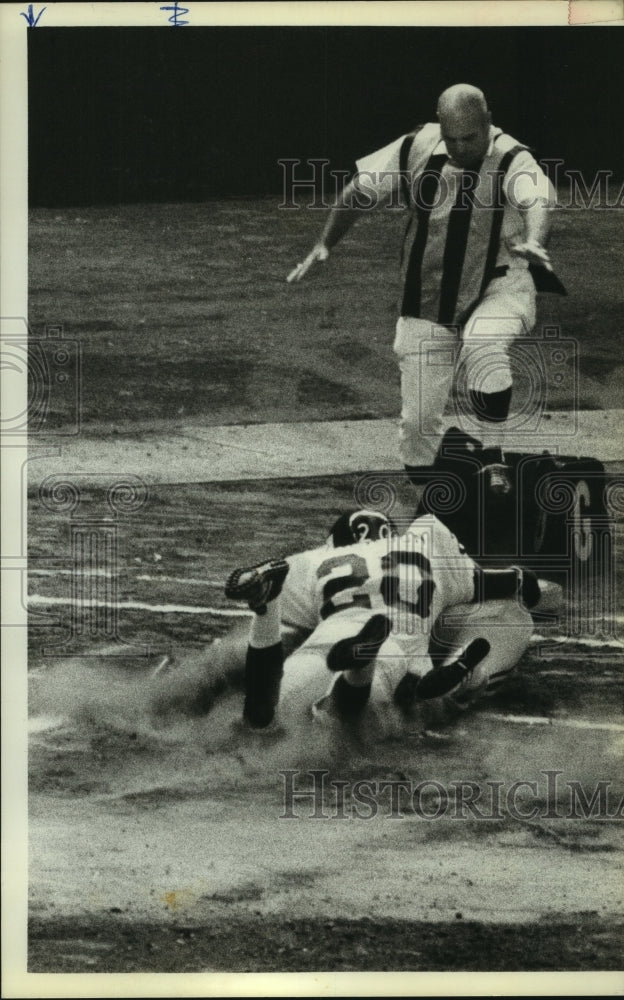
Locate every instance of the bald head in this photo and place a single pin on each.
(462, 99)
(464, 123)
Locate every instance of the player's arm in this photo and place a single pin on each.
(377, 179)
(531, 192)
(471, 583)
(343, 216)
(537, 218)
(340, 220)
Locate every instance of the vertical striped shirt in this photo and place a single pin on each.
(462, 221)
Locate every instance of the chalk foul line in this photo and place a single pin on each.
(162, 609)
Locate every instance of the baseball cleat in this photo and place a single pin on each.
(441, 680)
(359, 650)
(257, 584)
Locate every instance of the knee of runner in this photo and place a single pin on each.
(350, 701)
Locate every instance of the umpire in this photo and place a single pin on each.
(473, 256)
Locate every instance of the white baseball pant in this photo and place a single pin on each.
(432, 356)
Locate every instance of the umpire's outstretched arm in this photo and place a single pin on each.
(537, 218)
(340, 220)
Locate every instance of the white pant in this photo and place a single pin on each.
(432, 356)
(505, 624)
(306, 675)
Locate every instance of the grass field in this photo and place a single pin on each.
(183, 310)
(156, 842)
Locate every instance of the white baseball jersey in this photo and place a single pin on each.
(410, 578)
(332, 592)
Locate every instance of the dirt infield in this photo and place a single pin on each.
(158, 839)
(191, 301)
(182, 856)
(334, 945)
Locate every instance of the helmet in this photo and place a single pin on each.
(360, 526)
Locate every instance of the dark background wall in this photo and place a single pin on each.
(136, 114)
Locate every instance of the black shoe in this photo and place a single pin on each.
(257, 584)
(360, 650)
(441, 680)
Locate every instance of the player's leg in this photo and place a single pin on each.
(426, 354)
(393, 707)
(506, 312)
(260, 586)
(346, 643)
(365, 695)
(355, 653)
(506, 626)
(306, 674)
(353, 658)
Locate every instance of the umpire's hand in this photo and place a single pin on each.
(534, 252)
(318, 253)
